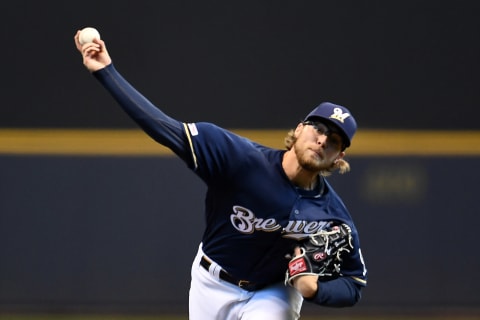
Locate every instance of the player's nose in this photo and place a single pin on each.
(322, 139)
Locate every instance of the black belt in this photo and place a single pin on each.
(225, 276)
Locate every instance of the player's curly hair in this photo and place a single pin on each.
(341, 165)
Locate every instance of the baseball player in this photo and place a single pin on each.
(261, 205)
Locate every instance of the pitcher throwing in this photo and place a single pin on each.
(277, 233)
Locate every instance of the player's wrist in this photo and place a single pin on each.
(307, 285)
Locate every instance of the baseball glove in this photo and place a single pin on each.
(321, 253)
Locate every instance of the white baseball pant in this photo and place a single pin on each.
(211, 298)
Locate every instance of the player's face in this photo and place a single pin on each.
(317, 146)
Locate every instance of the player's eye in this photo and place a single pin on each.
(319, 127)
(333, 136)
(335, 140)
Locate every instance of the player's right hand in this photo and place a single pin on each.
(95, 54)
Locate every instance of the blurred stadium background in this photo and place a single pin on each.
(98, 222)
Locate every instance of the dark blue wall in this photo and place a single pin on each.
(106, 233)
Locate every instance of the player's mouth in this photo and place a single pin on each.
(318, 153)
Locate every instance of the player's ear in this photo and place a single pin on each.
(340, 156)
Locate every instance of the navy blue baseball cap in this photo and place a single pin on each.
(337, 115)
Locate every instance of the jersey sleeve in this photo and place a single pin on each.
(167, 131)
(219, 153)
(206, 148)
(340, 292)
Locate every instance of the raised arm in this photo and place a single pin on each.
(158, 125)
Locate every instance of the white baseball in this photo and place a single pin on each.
(87, 35)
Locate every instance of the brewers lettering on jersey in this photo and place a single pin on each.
(260, 204)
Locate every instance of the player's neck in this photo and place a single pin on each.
(300, 177)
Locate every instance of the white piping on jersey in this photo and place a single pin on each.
(362, 281)
(187, 131)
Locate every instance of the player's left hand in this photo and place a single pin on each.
(307, 285)
(320, 255)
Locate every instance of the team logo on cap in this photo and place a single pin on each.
(339, 115)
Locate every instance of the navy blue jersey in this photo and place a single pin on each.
(254, 214)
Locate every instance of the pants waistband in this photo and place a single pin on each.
(225, 276)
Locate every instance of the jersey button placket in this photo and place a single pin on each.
(296, 208)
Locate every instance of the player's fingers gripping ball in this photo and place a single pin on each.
(87, 35)
(321, 254)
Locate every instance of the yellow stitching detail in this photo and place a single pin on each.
(187, 131)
